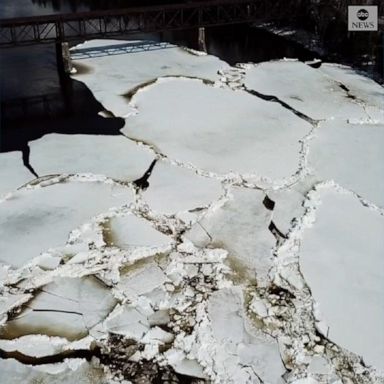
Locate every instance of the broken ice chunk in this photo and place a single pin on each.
(112, 156)
(66, 307)
(175, 189)
(70, 371)
(129, 231)
(128, 321)
(240, 227)
(35, 220)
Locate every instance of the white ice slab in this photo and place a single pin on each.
(113, 76)
(304, 88)
(142, 281)
(342, 261)
(218, 130)
(240, 227)
(34, 220)
(13, 174)
(174, 189)
(66, 307)
(128, 321)
(352, 155)
(130, 232)
(112, 156)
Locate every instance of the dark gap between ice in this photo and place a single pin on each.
(275, 99)
(116, 359)
(347, 91)
(268, 203)
(143, 183)
(276, 232)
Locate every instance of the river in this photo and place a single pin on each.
(35, 101)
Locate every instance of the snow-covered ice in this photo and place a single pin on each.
(126, 72)
(360, 86)
(176, 189)
(352, 156)
(66, 307)
(129, 232)
(111, 156)
(33, 220)
(236, 133)
(241, 227)
(342, 260)
(304, 88)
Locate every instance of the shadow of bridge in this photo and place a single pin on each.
(119, 49)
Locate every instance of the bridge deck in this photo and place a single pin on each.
(77, 26)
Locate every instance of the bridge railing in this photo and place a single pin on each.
(67, 27)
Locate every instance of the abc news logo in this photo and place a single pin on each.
(362, 18)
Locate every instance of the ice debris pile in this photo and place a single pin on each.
(233, 232)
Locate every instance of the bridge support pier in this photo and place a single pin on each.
(201, 40)
(63, 57)
(64, 68)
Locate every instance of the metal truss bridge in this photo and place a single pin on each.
(88, 25)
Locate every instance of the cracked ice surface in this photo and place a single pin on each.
(66, 307)
(304, 88)
(361, 87)
(241, 356)
(263, 136)
(176, 189)
(241, 227)
(43, 217)
(342, 260)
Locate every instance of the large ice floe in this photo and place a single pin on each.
(232, 233)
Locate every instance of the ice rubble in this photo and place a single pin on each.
(13, 174)
(206, 267)
(111, 156)
(345, 247)
(241, 227)
(240, 356)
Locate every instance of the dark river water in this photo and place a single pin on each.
(35, 100)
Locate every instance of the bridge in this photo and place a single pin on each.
(111, 23)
